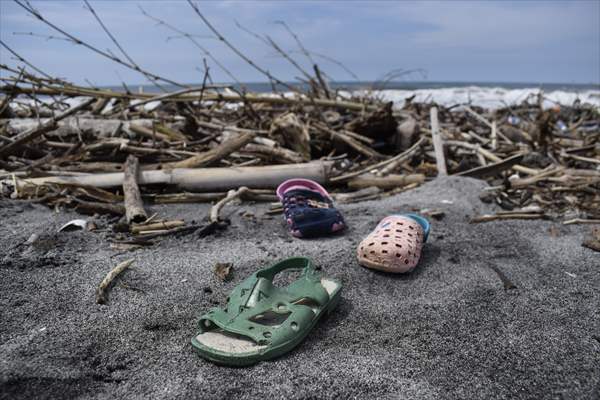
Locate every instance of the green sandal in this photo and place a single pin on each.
(262, 321)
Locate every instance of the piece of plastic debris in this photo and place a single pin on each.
(33, 238)
(74, 225)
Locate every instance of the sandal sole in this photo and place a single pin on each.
(382, 267)
(255, 358)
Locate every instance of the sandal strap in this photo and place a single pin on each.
(257, 295)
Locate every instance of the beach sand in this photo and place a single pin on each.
(449, 329)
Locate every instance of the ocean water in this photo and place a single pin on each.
(493, 97)
(484, 94)
(263, 87)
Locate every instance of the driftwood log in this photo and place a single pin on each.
(438, 143)
(134, 207)
(200, 180)
(216, 154)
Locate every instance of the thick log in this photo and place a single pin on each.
(201, 179)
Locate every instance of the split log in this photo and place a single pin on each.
(134, 207)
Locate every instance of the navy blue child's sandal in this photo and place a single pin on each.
(308, 209)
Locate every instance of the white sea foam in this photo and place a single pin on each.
(487, 97)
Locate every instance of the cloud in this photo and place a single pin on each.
(468, 40)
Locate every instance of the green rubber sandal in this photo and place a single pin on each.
(262, 321)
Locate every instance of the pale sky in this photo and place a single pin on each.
(483, 41)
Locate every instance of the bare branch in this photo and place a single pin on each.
(121, 49)
(27, 7)
(238, 52)
(271, 43)
(47, 37)
(192, 39)
(300, 45)
(24, 61)
(336, 62)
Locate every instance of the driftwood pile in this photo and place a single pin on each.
(110, 152)
(100, 151)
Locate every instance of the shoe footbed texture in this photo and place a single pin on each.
(238, 344)
(394, 246)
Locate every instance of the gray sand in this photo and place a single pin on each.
(448, 330)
